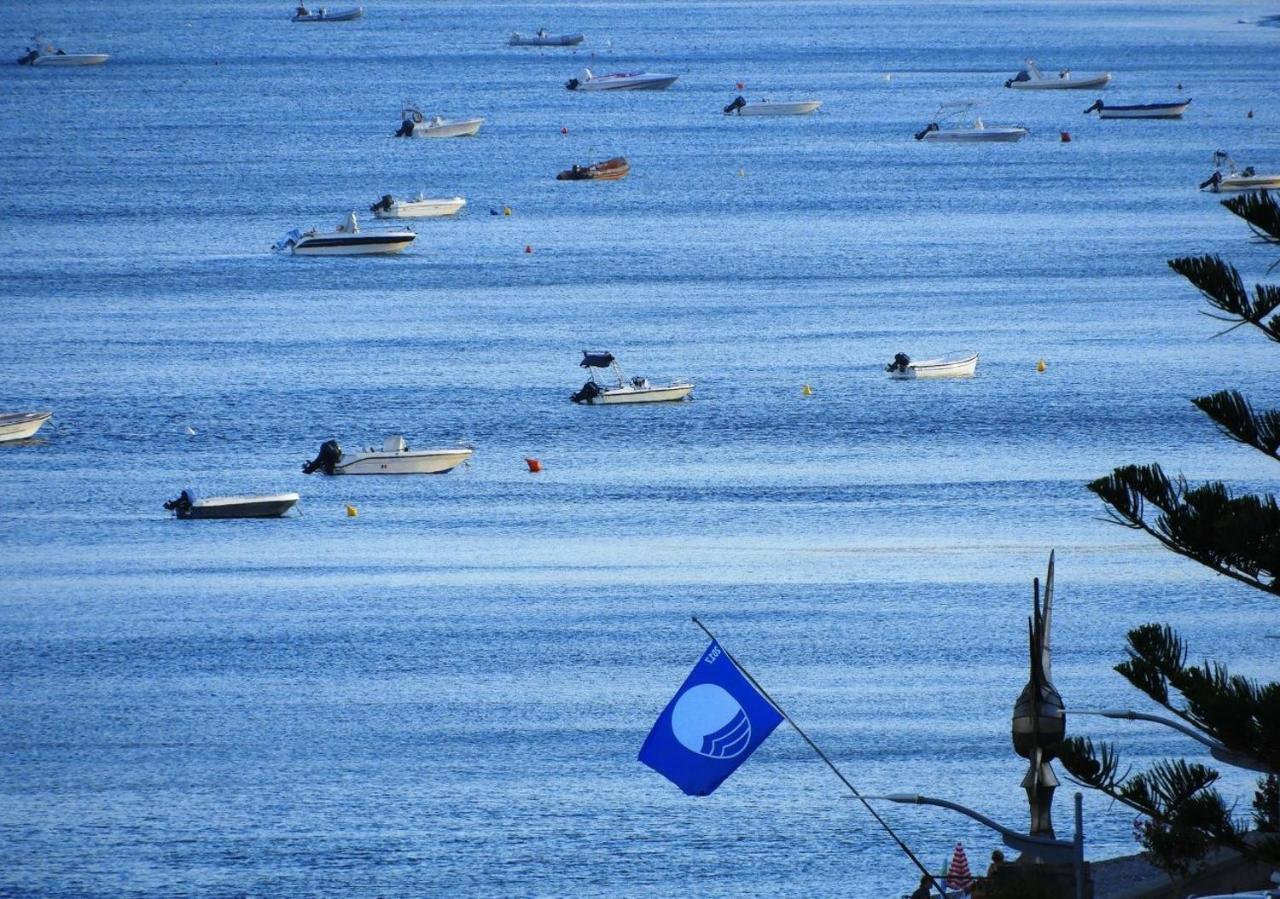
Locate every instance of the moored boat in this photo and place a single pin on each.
(264, 505)
(976, 131)
(324, 14)
(21, 425)
(414, 124)
(625, 390)
(953, 365)
(1140, 110)
(346, 240)
(395, 457)
(609, 170)
(420, 207)
(543, 38)
(621, 81)
(1236, 179)
(1032, 79)
(771, 108)
(43, 53)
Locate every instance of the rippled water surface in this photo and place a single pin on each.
(445, 694)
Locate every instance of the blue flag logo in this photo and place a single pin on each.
(716, 720)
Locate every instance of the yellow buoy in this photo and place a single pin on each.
(1040, 366)
(807, 391)
(742, 172)
(506, 210)
(351, 511)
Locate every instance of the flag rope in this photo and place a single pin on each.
(822, 755)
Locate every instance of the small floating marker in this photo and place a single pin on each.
(190, 431)
(493, 211)
(1249, 115)
(1040, 366)
(742, 173)
(807, 390)
(528, 248)
(564, 130)
(1065, 137)
(535, 466)
(352, 512)
(888, 76)
(506, 210)
(741, 85)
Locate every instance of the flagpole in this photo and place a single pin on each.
(822, 755)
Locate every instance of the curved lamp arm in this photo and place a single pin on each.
(1216, 749)
(1043, 847)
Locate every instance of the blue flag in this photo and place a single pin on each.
(715, 721)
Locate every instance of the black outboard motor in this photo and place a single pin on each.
(572, 84)
(1097, 104)
(181, 505)
(406, 128)
(384, 203)
(330, 455)
(899, 363)
(1212, 181)
(1021, 76)
(735, 106)
(31, 57)
(932, 126)
(589, 391)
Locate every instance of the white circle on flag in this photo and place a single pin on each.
(709, 721)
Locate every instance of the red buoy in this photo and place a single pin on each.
(564, 130)
(1066, 137)
(528, 249)
(534, 465)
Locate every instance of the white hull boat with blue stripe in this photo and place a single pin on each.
(395, 457)
(323, 14)
(1032, 79)
(21, 425)
(346, 240)
(976, 132)
(624, 390)
(544, 39)
(621, 81)
(953, 365)
(44, 54)
(1140, 110)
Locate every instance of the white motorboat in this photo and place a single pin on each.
(262, 505)
(323, 14)
(346, 240)
(43, 53)
(414, 124)
(1236, 179)
(1032, 79)
(624, 390)
(21, 425)
(1140, 110)
(976, 131)
(420, 207)
(543, 38)
(621, 81)
(954, 365)
(768, 107)
(395, 457)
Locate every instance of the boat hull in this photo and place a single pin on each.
(411, 462)
(1147, 111)
(21, 425)
(71, 59)
(1062, 84)
(341, 15)
(421, 209)
(938, 368)
(353, 245)
(802, 107)
(269, 506)
(977, 135)
(618, 396)
(550, 40)
(649, 84)
(448, 129)
(1254, 182)
(610, 170)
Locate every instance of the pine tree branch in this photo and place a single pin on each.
(1233, 414)
(1260, 210)
(1221, 285)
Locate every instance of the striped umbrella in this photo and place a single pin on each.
(958, 876)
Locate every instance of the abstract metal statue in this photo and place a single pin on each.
(1039, 717)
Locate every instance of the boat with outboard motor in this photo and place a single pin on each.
(324, 14)
(1236, 179)
(395, 457)
(43, 53)
(954, 365)
(414, 124)
(1140, 110)
(262, 505)
(624, 390)
(543, 38)
(346, 240)
(609, 170)
(421, 207)
(977, 131)
(1032, 79)
(21, 425)
(620, 81)
(741, 107)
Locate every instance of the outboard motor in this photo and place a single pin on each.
(31, 57)
(181, 505)
(330, 455)
(899, 363)
(384, 203)
(1097, 104)
(406, 128)
(932, 126)
(572, 84)
(589, 391)
(735, 106)
(1020, 77)
(1212, 181)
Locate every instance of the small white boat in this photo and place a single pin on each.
(621, 81)
(976, 131)
(954, 365)
(414, 124)
(21, 425)
(1236, 179)
(1140, 110)
(768, 107)
(43, 53)
(395, 457)
(1031, 79)
(263, 505)
(345, 240)
(543, 38)
(323, 14)
(624, 390)
(420, 207)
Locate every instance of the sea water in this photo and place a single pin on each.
(445, 694)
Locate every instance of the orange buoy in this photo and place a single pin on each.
(741, 85)
(1065, 137)
(528, 249)
(534, 465)
(1040, 366)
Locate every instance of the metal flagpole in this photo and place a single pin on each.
(822, 755)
